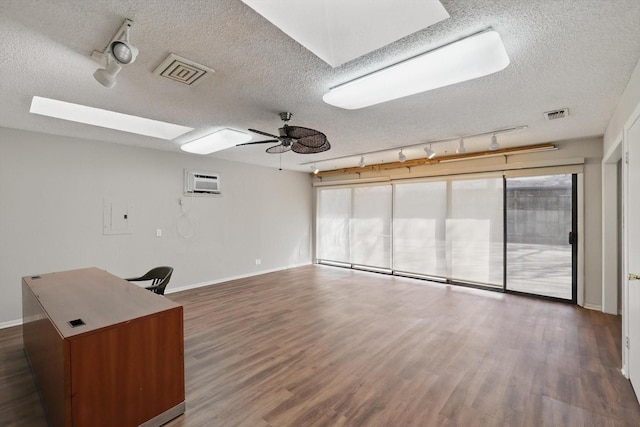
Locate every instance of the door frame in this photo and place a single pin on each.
(577, 249)
(633, 118)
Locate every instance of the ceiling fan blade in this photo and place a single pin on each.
(278, 149)
(313, 141)
(262, 133)
(258, 142)
(298, 132)
(303, 149)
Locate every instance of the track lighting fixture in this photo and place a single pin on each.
(494, 143)
(107, 76)
(118, 51)
(430, 153)
(461, 148)
(401, 157)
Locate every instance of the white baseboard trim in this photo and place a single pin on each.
(227, 279)
(624, 372)
(593, 306)
(171, 290)
(10, 323)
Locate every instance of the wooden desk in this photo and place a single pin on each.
(123, 367)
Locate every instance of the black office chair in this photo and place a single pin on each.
(159, 277)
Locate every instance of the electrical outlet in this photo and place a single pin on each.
(258, 261)
(158, 232)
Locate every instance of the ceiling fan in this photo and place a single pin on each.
(293, 138)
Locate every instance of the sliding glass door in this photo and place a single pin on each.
(540, 247)
(333, 219)
(354, 226)
(419, 228)
(511, 233)
(450, 229)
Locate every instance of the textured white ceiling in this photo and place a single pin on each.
(334, 29)
(577, 54)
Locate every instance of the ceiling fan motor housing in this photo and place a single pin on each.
(285, 116)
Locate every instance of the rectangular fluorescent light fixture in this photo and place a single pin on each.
(475, 56)
(105, 118)
(219, 140)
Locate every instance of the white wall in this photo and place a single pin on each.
(51, 214)
(629, 100)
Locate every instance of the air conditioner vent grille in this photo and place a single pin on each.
(201, 183)
(556, 114)
(182, 70)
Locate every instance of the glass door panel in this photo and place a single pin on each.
(333, 220)
(371, 226)
(475, 231)
(419, 237)
(540, 225)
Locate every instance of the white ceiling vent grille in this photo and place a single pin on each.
(556, 114)
(182, 70)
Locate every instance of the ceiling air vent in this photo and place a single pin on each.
(182, 70)
(556, 114)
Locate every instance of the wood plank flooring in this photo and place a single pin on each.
(325, 346)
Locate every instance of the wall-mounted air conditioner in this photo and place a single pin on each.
(201, 183)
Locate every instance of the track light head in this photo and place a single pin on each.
(107, 76)
(361, 164)
(461, 149)
(494, 143)
(315, 169)
(430, 153)
(401, 157)
(123, 51)
(119, 51)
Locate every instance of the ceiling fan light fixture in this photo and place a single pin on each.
(430, 153)
(216, 141)
(298, 139)
(494, 143)
(466, 59)
(461, 149)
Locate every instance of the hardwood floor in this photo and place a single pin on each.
(324, 346)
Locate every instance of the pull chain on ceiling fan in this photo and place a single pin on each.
(298, 139)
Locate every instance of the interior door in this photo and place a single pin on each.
(632, 222)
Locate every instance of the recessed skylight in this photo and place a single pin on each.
(105, 118)
(338, 31)
(476, 56)
(219, 140)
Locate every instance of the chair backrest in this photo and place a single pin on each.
(159, 277)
